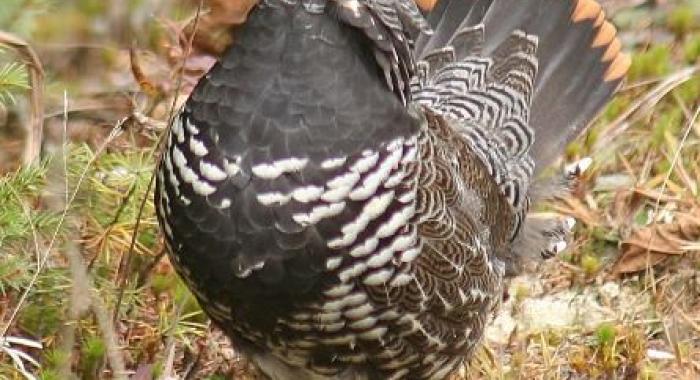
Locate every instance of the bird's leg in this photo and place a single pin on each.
(545, 235)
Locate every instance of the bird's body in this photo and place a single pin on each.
(345, 200)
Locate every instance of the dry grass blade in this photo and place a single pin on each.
(125, 264)
(653, 244)
(644, 105)
(35, 130)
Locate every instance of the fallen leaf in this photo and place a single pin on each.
(143, 80)
(651, 245)
(214, 28)
(577, 209)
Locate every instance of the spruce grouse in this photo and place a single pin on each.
(347, 190)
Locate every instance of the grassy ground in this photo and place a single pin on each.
(82, 296)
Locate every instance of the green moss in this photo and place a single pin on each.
(590, 265)
(522, 291)
(681, 20)
(691, 50)
(575, 149)
(92, 356)
(567, 257)
(92, 7)
(184, 297)
(649, 372)
(157, 370)
(652, 63)
(41, 317)
(641, 217)
(216, 377)
(667, 122)
(616, 107)
(662, 166)
(689, 92)
(161, 283)
(605, 335)
(56, 358)
(148, 238)
(593, 135)
(50, 374)
(603, 236)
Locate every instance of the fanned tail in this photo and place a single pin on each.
(520, 79)
(579, 60)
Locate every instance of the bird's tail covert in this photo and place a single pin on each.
(580, 63)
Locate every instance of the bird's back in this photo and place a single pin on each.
(344, 209)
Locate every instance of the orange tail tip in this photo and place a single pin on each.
(618, 68)
(612, 51)
(586, 10)
(606, 36)
(426, 5)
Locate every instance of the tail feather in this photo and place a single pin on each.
(447, 19)
(468, 42)
(579, 64)
(578, 76)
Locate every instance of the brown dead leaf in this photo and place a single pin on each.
(655, 243)
(625, 205)
(214, 28)
(144, 82)
(213, 33)
(576, 208)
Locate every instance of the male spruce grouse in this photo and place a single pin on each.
(347, 190)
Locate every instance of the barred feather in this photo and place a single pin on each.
(345, 197)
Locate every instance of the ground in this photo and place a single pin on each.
(82, 295)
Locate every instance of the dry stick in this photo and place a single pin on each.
(125, 264)
(32, 149)
(168, 365)
(116, 361)
(171, 337)
(79, 305)
(83, 295)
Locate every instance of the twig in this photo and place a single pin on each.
(85, 296)
(32, 150)
(107, 328)
(125, 264)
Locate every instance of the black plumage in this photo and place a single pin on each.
(346, 190)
